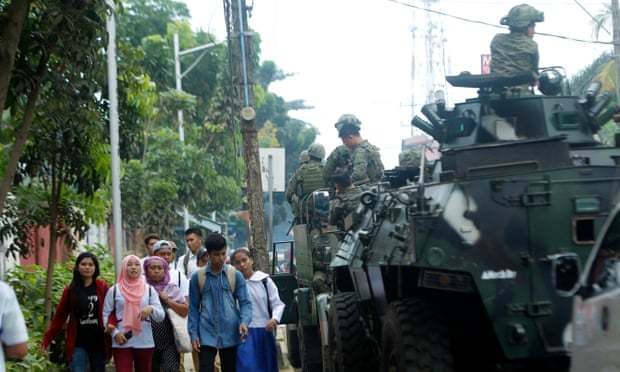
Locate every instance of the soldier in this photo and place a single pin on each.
(346, 199)
(307, 178)
(517, 52)
(339, 158)
(303, 157)
(362, 157)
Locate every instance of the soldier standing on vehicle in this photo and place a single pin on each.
(307, 178)
(365, 160)
(346, 199)
(339, 158)
(517, 52)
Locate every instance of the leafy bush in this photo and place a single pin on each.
(29, 285)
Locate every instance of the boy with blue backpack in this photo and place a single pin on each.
(219, 310)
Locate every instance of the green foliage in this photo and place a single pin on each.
(267, 136)
(29, 285)
(142, 18)
(171, 175)
(580, 80)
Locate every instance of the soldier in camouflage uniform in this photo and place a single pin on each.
(307, 178)
(346, 199)
(357, 153)
(517, 52)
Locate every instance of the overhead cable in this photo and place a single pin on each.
(469, 20)
(598, 22)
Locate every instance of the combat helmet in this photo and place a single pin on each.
(316, 151)
(304, 157)
(348, 120)
(521, 16)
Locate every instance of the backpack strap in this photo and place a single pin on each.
(186, 261)
(114, 297)
(231, 275)
(269, 310)
(202, 278)
(179, 278)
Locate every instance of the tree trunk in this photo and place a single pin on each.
(22, 134)
(10, 32)
(54, 202)
(254, 190)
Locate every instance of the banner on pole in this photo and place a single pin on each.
(278, 162)
(485, 64)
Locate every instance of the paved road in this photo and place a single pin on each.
(281, 341)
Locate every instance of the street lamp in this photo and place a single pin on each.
(179, 75)
(117, 219)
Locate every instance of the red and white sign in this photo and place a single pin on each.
(485, 64)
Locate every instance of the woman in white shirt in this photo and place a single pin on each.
(258, 352)
(134, 304)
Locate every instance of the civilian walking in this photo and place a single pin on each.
(258, 353)
(220, 309)
(193, 240)
(81, 309)
(135, 304)
(165, 357)
(14, 337)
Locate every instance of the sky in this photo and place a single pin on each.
(355, 56)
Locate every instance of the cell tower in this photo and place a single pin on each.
(431, 58)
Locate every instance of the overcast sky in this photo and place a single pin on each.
(354, 56)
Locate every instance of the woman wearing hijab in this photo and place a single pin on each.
(258, 352)
(82, 304)
(135, 305)
(166, 357)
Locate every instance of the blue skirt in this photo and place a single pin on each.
(258, 352)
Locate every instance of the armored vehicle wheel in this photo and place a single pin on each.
(415, 338)
(292, 346)
(350, 348)
(310, 348)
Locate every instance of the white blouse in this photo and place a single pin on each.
(258, 296)
(145, 338)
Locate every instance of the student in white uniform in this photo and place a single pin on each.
(134, 304)
(258, 352)
(13, 335)
(193, 240)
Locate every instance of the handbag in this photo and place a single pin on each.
(179, 329)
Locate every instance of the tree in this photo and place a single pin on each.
(12, 16)
(57, 33)
(54, 84)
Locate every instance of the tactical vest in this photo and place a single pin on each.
(311, 176)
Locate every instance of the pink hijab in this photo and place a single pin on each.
(132, 290)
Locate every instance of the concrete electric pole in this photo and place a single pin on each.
(179, 75)
(615, 16)
(240, 46)
(117, 218)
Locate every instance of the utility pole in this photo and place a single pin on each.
(117, 219)
(615, 16)
(240, 47)
(179, 75)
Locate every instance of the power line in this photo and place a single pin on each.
(593, 17)
(475, 21)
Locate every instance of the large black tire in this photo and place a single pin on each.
(350, 348)
(310, 348)
(415, 338)
(292, 346)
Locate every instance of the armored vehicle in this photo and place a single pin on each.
(471, 267)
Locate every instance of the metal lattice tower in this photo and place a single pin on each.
(431, 59)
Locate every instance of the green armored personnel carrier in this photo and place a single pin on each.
(471, 267)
